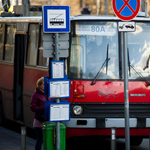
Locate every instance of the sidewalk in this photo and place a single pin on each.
(10, 140)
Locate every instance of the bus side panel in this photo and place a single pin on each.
(112, 91)
(120, 132)
(6, 85)
(30, 78)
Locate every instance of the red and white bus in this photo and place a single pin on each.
(21, 64)
(94, 66)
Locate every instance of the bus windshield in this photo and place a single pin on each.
(92, 43)
(138, 44)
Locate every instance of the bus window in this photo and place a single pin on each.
(139, 51)
(10, 42)
(91, 42)
(2, 31)
(77, 63)
(33, 44)
(42, 61)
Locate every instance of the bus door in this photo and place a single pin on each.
(20, 42)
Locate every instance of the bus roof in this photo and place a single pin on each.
(38, 19)
(104, 17)
(35, 19)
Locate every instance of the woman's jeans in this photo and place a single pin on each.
(39, 138)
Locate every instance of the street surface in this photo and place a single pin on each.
(10, 133)
(103, 144)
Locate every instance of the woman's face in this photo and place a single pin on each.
(42, 86)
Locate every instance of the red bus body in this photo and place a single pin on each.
(112, 93)
(97, 102)
(21, 64)
(97, 98)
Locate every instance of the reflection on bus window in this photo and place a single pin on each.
(10, 42)
(1, 40)
(139, 51)
(33, 44)
(89, 50)
(42, 61)
(77, 60)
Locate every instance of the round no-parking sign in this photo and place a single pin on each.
(126, 9)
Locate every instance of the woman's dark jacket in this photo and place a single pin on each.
(37, 101)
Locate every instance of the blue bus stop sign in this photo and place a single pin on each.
(126, 9)
(56, 19)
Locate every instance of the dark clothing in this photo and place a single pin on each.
(37, 101)
(39, 139)
(85, 10)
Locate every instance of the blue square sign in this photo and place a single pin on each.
(56, 19)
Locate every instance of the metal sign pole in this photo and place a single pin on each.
(126, 92)
(56, 57)
(113, 138)
(51, 24)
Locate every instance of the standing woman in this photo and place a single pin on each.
(36, 105)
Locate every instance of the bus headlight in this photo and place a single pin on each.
(77, 110)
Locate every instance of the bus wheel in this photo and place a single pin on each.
(135, 141)
(2, 118)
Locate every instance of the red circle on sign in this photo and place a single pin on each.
(123, 17)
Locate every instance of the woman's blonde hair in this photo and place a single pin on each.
(39, 82)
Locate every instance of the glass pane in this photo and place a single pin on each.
(42, 61)
(1, 40)
(138, 44)
(89, 48)
(10, 42)
(33, 44)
